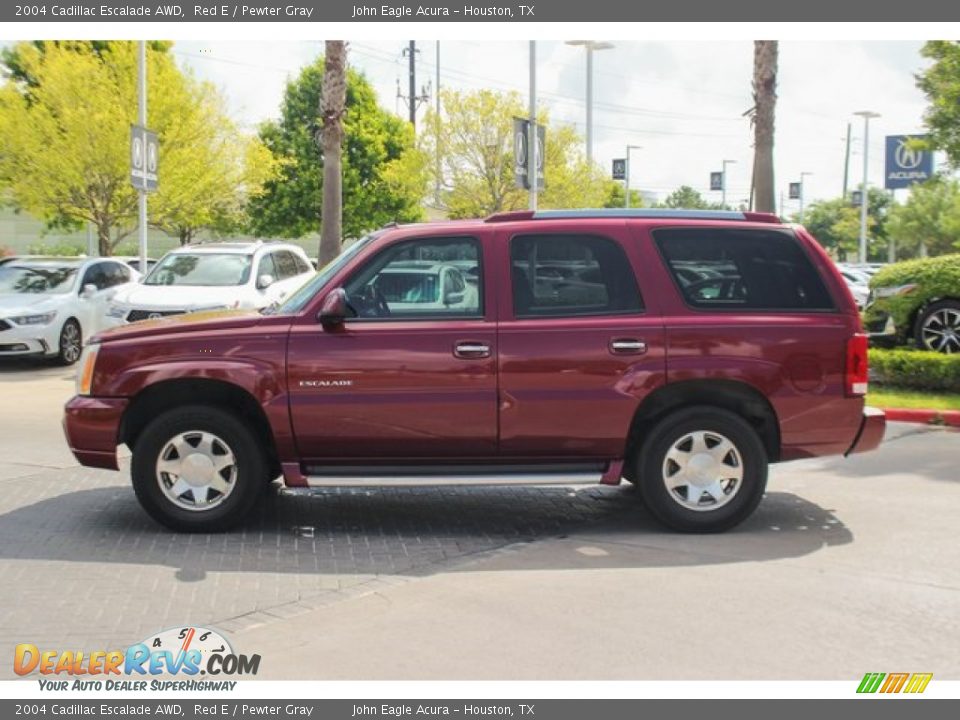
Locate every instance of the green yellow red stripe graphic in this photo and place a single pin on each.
(888, 683)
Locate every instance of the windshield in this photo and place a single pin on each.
(207, 269)
(37, 279)
(298, 300)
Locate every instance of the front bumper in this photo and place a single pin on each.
(18, 340)
(92, 428)
(872, 427)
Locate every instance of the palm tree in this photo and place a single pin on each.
(333, 105)
(765, 102)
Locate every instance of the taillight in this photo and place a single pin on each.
(855, 377)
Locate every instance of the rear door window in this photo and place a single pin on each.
(721, 268)
(571, 276)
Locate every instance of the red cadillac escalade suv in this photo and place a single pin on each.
(682, 351)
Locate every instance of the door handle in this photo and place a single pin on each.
(627, 346)
(468, 350)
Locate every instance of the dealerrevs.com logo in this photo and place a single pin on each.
(890, 683)
(186, 652)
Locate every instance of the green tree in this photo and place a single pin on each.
(383, 173)
(941, 83)
(836, 225)
(688, 198)
(929, 222)
(615, 196)
(475, 135)
(65, 115)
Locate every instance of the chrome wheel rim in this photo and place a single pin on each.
(703, 471)
(196, 470)
(941, 331)
(70, 342)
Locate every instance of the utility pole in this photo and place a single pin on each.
(723, 182)
(532, 143)
(846, 163)
(864, 196)
(802, 176)
(591, 46)
(142, 113)
(413, 100)
(439, 168)
(626, 176)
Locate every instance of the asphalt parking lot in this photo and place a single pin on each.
(848, 566)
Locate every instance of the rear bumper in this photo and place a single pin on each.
(872, 427)
(92, 427)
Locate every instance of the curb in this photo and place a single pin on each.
(929, 417)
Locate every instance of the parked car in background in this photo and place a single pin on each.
(584, 356)
(134, 262)
(50, 306)
(919, 301)
(214, 276)
(859, 283)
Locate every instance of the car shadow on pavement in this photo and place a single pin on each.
(404, 531)
(33, 369)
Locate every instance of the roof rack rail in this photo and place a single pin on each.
(641, 213)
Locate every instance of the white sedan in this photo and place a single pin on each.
(50, 306)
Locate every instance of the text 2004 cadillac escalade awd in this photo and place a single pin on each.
(680, 350)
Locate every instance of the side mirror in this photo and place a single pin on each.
(453, 297)
(89, 290)
(335, 309)
(264, 281)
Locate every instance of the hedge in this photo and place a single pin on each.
(917, 369)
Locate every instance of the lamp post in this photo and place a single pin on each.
(802, 188)
(723, 182)
(864, 198)
(626, 178)
(590, 45)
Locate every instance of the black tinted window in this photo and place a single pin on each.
(742, 269)
(96, 275)
(570, 275)
(286, 265)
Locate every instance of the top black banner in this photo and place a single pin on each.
(482, 11)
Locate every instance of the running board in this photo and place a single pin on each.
(426, 476)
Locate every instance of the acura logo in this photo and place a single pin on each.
(907, 157)
(154, 316)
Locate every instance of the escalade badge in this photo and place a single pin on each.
(325, 383)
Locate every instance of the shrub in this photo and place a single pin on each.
(917, 369)
(62, 248)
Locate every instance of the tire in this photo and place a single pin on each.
(729, 480)
(938, 327)
(70, 343)
(177, 461)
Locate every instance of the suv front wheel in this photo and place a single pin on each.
(198, 469)
(702, 469)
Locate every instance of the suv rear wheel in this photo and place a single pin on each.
(702, 469)
(198, 469)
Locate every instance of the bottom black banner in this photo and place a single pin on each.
(597, 709)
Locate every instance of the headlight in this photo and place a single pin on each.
(40, 319)
(88, 361)
(886, 292)
(116, 311)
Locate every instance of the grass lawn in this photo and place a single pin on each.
(892, 397)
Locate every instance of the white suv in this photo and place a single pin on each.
(215, 276)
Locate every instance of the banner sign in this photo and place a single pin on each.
(906, 164)
(521, 141)
(619, 168)
(716, 181)
(794, 191)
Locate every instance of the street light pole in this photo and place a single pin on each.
(723, 182)
(626, 176)
(532, 134)
(802, 188)
(864, 198)
(142, 192)
(590, 46)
